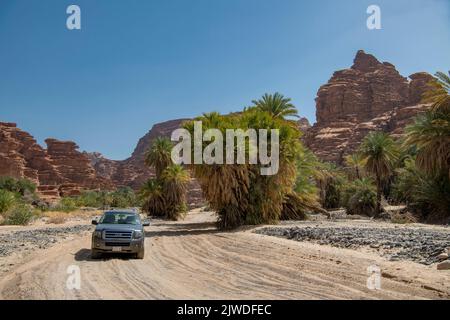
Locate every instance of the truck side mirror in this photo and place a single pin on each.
(94, 222)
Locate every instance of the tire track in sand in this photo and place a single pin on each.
(192, 260)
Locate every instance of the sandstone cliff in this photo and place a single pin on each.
(59, 170)
(371, 95)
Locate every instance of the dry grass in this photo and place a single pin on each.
(59, 217)
(403, 218)
(56, 217)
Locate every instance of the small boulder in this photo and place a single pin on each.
(444, 265)
(443, 256)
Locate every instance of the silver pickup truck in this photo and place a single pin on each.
(119, 231)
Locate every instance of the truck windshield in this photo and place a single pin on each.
(119, 218)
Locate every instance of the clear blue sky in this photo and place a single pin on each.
(136, 63)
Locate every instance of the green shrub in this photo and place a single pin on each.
(123, 197)
(403, 218)
(331, 181)
(360, 197)
(96, 199)
(424, 194)
(66, 204)
(19, 214)
(21, 186)
(7, 200)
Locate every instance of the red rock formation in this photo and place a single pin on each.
(58, 171)
(369, 96)
(303, 124)
(133, 172)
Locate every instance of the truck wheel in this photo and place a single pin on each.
(140, 254)
(95, 254)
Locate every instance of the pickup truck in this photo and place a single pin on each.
(119, 231)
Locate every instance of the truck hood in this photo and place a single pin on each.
(127, 227)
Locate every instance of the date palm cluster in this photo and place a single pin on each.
(165, 194)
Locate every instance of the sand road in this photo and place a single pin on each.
(192, 260)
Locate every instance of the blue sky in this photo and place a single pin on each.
(136, 63)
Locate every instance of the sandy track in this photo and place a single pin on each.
(191, 260)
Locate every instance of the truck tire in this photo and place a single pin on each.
(95, 254)
(140, 255)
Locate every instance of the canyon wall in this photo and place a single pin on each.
(133, 172)
(59, 170)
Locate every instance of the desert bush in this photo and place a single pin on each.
(425, 194)
(7, 200)
(19, 214)
(124, 197)
(403, 218)
(360, 197)
(56, 217)
(20, 186)
(294, 208)
(95, 199)
(66, 204)
(330, 181)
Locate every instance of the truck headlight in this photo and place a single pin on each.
(98, 234)
(137, 234)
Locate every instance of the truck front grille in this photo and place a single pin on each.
(118, 235)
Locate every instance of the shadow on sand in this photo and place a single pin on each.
(85, 255)
(183, 229)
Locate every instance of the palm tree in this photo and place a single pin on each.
(239, 193)
(355, 162)
(329, 180)
(430, 134)
(152, 195)
(360, 197)
(175, 180)
(380, 153)
(439, 95)
(159, 155)
(277, 105)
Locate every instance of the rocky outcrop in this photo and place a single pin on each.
(369, 96)
(133, 172)
(59, 170)
(303, 124)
